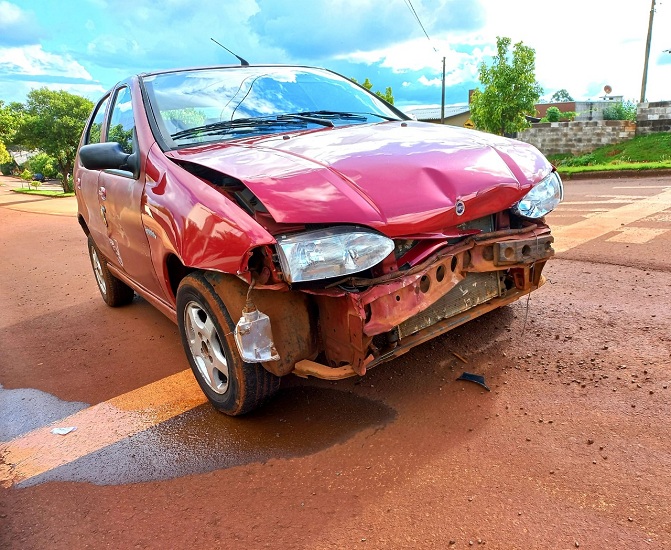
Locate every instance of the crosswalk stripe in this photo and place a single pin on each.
(570, 236)
(98, 426)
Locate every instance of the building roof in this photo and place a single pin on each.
(433, 113)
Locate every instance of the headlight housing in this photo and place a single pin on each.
(333, 252)
(542, 199)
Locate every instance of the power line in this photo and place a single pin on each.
(442, 103)
(412, 9)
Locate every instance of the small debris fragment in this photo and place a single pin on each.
(460, 358)
(63, 431)
(477, 378)
(590, 441)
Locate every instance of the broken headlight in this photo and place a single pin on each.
(542, 199)
(334, 252)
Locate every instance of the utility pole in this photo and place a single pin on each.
(644, 83)
(442, 103)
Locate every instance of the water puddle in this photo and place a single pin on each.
(23, 410)
(298, 421)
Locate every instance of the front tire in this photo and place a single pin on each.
(116, 293)
(232, 386)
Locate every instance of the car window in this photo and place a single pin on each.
(95, 129)
(227, 103)
(122, 123)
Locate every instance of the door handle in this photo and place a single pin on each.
(102, 193)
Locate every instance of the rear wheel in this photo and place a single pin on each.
(116, 293)
(231, 385)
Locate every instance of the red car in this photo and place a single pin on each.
(290, 221)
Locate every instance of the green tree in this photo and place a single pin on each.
(560, 96)
(510, 90)
(53, 122)
(9, 121)
(42, 164)
(388, 95)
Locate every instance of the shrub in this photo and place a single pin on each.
(553, 114)
(43, 164)
(620, 111)
(26, 175)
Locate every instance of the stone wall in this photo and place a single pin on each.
(653, 117)
(577, 137)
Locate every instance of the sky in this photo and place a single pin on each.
(86, 46)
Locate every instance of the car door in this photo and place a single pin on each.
(120, 196)
(86, 183)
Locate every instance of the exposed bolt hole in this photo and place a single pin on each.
(424, 284)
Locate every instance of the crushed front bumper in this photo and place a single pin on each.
(359, 330)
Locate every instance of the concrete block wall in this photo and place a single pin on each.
(653, 117)
(577, 138)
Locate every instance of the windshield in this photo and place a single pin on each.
(207, 105)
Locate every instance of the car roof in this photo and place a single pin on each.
(210, 67)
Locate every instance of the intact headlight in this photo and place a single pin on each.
(334, 252)
(542, 199)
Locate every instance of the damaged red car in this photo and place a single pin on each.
(289, 221)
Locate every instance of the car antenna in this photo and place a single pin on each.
(243, 62)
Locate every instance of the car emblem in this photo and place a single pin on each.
(460, 208)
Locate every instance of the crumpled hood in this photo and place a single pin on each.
(402, 178)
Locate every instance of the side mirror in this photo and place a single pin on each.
(108, 156)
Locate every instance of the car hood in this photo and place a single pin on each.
(403, 178)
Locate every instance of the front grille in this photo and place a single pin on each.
(484, 224)
(474, 289)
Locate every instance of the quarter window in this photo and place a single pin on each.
(122, 123)
(95, 130)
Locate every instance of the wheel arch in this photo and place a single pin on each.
(82, 224)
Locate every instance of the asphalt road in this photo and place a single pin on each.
(569, 449)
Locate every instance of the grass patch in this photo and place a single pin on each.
(44, 192)
(640, 153)
(638, 166)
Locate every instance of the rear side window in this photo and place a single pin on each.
(122, 123)
(95, 130)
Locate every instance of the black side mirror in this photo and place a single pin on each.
(109, 156)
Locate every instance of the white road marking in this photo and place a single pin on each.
(636, 235)
(570, 236)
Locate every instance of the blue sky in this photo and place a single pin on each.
(86, 46)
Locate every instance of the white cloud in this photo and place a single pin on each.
(426, 82)
(10, 15)
(33, 60)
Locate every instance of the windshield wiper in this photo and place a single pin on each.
(344, 115)
(238, 124)
(307, 118)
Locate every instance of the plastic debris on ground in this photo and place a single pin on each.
(477, 378)
(63, 431)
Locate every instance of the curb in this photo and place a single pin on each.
(614, 174)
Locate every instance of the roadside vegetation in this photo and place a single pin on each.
(49, 123)
(640, 153)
